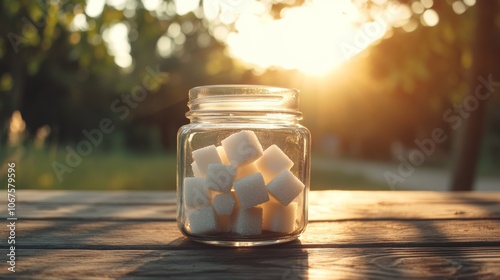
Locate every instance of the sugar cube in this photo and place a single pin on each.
(246, 170)
(205, 156)
(222, 155)
(203, 220)
(285, 187)
(247, 221)
(196, 170)
(242, 148)
(251, 190)
(272, 162)
(223, 204)
(279, 218)
(220, 177)
(194, 194)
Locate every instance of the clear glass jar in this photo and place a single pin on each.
(243, 166)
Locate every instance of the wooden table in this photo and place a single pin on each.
(130, 235)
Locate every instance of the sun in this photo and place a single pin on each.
(314, 38)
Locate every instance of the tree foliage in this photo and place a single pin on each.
(63, 74)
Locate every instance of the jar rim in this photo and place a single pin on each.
(241, 99)
(269, 88)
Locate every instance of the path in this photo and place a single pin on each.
(422, 178)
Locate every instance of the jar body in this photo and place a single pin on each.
(257, 201)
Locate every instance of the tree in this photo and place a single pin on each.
(484, 55)
(64, 76)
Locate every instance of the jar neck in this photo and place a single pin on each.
(238, 117)
(243, 104)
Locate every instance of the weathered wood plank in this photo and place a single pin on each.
(95, 211)
(316, 197)
(130, 235)
(278, 262)
(329, 205)
(92, 197)
(335, 212)
(153, 234)
(403, 205)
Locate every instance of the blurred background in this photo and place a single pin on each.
(399, 95)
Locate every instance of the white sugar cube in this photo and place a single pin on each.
(247, 221)
(222, 155)
(246, 170)
(196, 170)
(242, 148)
(194, 194)
(279, 218)
(205, 156)
(285, 187)
(220, 177)
(224, 204)
(251, 190)
(272, 162)
(203, 220)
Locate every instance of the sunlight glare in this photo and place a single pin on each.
(211, 9)
(174, 30)
(459, 7)
(417, 7)
(116, 38)
(404, 14)
(94, 7)
(185, 6)
(430, 18)
(427, 3)
(79, 23)
(117, 4)
(470, 3)
(151, 5)
(124, 60)
(165, 46)
(311, 38)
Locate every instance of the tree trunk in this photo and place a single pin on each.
(483, 57)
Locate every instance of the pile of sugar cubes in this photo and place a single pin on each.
(239, 188)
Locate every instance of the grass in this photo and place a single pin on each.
(338, 180)
(125, 170)
(98, 171)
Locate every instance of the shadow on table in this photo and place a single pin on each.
(437, 253)
(191, 260)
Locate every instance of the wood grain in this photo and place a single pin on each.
(324, 205)
(165, 235)
(363, 235)
(276, 262)
(316, 197)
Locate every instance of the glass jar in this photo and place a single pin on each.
(243, 166)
